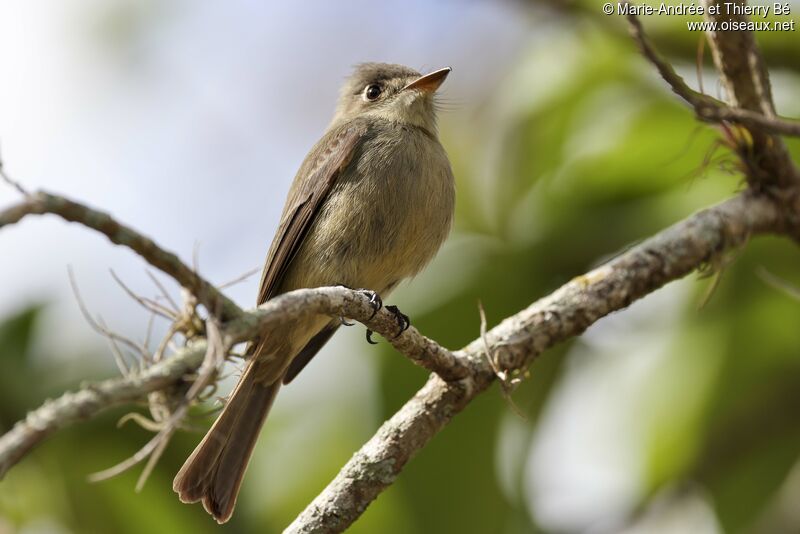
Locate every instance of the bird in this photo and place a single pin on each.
(370, 206)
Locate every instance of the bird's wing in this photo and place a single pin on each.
(311, 186)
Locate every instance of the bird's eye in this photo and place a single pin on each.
(372, 91)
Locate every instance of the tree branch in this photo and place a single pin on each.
(353, 304)
(745, 77)
(94, 398)
(708, 108)
(41, 202)
(780, 48)
(739, 61)
(669, 255)
(514, 344)
(566, 313)
(91, 400)
(460, 375)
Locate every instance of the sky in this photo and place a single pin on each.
(188, 120)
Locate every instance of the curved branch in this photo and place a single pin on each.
(41, 202)
(668, 256)
(706, 107)
(515, 343)
(765, 156)
(94, 398)
(460, 375)
(91, 400)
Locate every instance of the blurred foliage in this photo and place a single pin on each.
(16, 334)
(592, 160)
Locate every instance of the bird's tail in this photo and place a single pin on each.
(213, 473)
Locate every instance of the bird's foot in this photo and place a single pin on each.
(369, 337)
(403, 322)
(374, 301)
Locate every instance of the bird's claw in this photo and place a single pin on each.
(403, 322)
(374, 301)
(369, 337)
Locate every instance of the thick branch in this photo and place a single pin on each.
(745, 77)
(91, 400)
(40, 203)
(739, 61)
(461, 376)
(514, 344)
(353, 304)
(566, 313)
(94, 398)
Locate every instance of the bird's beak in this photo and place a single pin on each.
(430, 82)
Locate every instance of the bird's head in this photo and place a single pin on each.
(392, 92)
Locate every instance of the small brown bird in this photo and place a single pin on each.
(370, 206)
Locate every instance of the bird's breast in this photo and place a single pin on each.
(387, 215)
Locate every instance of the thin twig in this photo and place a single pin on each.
(140, 420)
(214, 356)
(13, 183)
(706, 107)
(701, 48)
(507, 384)
(240, 278)
(158, 355)
(776, 125)
(667, 72)
(196, 256)
(128, 463)
(97, 325)
(778, 283)
(163, 290)
(148, 304)
(148, 333)
(116, 351)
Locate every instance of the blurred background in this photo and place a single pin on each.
(187, 120)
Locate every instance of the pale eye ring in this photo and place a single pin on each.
(372, 91)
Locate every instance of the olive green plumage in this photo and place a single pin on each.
(370, 206)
